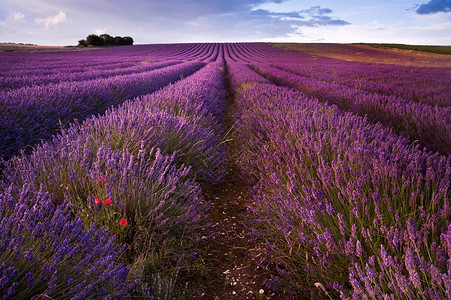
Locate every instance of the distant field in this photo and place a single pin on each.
(430, 49)
(368, 53)
(25, 48)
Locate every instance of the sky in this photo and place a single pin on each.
(64, 22)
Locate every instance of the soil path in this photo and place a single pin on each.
(230, 271)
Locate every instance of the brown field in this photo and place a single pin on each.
(27, 48)
(366, 53)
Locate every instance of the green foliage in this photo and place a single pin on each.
(105, 40)
(82, 43)
(126, 40)
(423, 48)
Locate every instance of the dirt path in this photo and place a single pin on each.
(230, 271)
(232, 274)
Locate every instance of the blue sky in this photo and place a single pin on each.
(64, 22)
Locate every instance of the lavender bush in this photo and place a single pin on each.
(149, 189)
(46, 252)
(422, 85)
(341, 207)
(241, 76)
(199, 99)
(12, 82)
(347, 209)
(428, 124)
(111, 170)
(41, 66)
(70, 165)
(31, 114)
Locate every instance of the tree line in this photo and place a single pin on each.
(105, 40)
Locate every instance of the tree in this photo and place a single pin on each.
(118, 40)
(94, 40)
(82, 43)
(126, 40)
(107, 39)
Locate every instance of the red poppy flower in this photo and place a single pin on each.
(123, 222)
(101, 179)
(97, 200)
(107, 202)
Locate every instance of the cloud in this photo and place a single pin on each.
(17, 17)
(317, 16)
(434, 6)
(99, 31)
(316, 10)
(11, 23)
(282, 16)
(170, 20)
(370, 33)
(145, 9)
(52, 21)
(217, 21)
(255, 24)
(238, 26)
(311, 17)
(202, 7)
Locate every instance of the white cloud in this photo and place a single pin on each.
(233, 20)
(52, 21)
(99, 31)
(12, 24)
(17, 17)
(374, 32)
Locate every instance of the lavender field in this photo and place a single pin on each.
(109, 157)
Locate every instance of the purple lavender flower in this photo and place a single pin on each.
(305, 152)
(46, 271)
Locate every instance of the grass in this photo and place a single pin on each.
(423, 48)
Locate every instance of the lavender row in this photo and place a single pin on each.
(135, 170)
(266, 53)
(213, 53)
(27, 65)
(52, 63)
(207, 53)
(428, 95)
(45, 252)
(32, 68)
(8, 83)
(423, 84)
(199, 101)
(346, 208)
(428, 78)
(430, 125)
(258, 52)
(34, 113)
(241, 76)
